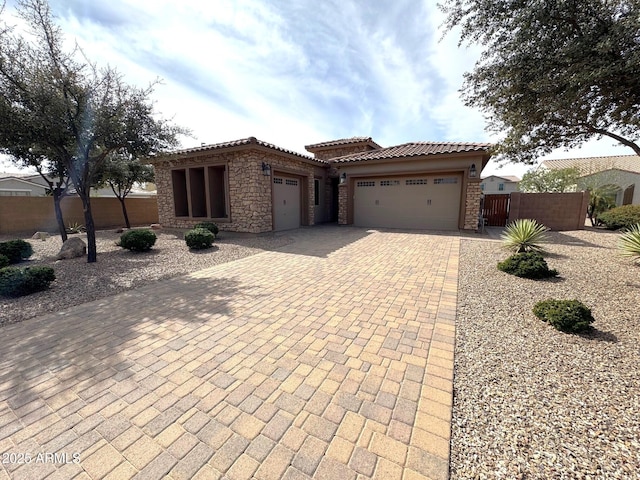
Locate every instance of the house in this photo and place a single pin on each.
(253, 186)
(622, 171)
(494, 184)
(22, 185)
(33, 185)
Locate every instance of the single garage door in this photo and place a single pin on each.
(426, 202)
(286, 202)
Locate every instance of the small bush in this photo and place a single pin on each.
(199, 238)
(564, 315)
(625, 216)
(137, 240)
(630, 242)
(212, 227)
(528, 265)
(17, 282)
(16, 250)
(4, 261)
(524, 235)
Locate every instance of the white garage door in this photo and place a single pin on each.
(427, 202)
(286, 202)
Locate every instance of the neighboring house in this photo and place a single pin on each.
(33, 185)
(494, 184)
(21, 185)
(621, 171)
(252, 186)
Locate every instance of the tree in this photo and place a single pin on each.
(59, 106)
(550, 180)
(121, 173)
(57, 177)
(554, 73)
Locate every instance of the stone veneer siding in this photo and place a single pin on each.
(472, 206)
(249, 191)
(343, 194)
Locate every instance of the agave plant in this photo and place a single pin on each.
(630, 242)
(524, 235)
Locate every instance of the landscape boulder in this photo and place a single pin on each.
(156, 226)
(40, 236)
(72, 248)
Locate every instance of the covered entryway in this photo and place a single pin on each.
(415, 202)
(286, 202)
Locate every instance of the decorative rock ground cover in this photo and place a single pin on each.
(532, 402)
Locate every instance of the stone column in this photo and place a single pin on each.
(343, 198)
(472, 206)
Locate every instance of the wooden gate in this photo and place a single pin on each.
(495, 210)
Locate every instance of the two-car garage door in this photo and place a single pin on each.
(416, 202)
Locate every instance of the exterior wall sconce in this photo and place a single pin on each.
(266, 169)
(343, 178)
(473, 173)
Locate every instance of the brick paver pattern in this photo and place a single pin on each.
(331, 358)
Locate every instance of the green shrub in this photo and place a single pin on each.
(16, 250)
(528, 265)
(4, 261)
(564, 315)
(199, 238)
(17, 282)
(629, 244)
(137, 240)
(625, 216)
(524, 235)
(212, 227)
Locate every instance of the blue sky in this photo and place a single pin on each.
(291, 72)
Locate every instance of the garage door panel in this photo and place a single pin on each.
(429, 202)
(286, 203)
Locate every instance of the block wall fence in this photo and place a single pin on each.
(32, 214)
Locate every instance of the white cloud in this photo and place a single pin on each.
(290, 72)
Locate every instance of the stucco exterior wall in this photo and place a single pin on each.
(249, 192)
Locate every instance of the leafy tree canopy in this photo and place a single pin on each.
(60, 106)
(550, 180)
(554, 73)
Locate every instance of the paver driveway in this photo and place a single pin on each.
(331, 358)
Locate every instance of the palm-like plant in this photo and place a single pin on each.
(524, 235)
(630, 242)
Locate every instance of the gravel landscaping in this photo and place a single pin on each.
(118, 270)
(534, 403)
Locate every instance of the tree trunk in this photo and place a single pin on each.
(124, 212)
(56, 206)
(92, 251)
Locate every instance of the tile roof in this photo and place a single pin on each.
(414, 149)
(343, 141)
(589, 165)
(237, 143)
(510, 178)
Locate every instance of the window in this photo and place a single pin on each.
(364, 183)
(446, 180)
(316, 192)
(482, 186)
(200, 192)
(416, 181)
(292, 183)
(389, 183)
(278, 181)
(501, 186)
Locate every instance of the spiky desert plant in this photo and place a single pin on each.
(629, 244)
(524, 235)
